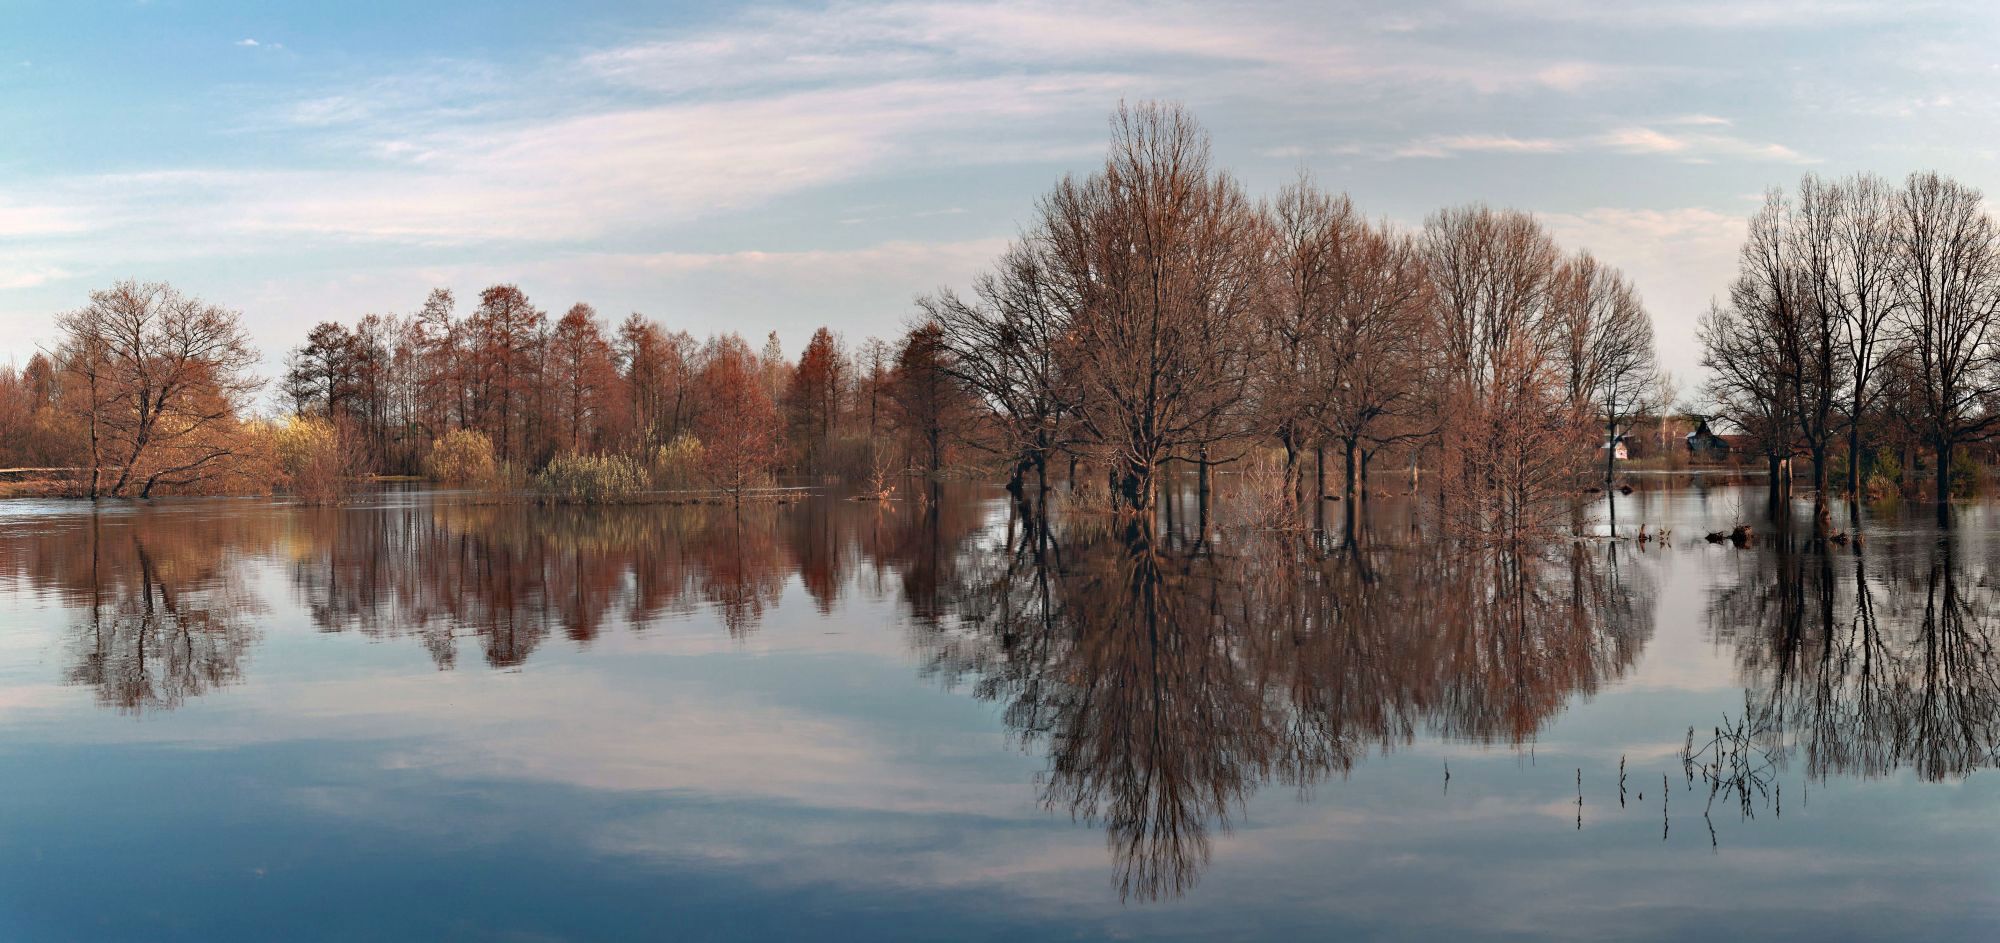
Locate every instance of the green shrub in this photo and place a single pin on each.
(589, 479)
(463, 457)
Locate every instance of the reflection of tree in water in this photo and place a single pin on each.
(1168, 684)
(1864, 673)
(512, 575)
(161, 610)
(164, 600)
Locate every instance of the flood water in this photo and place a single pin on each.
(420, 717)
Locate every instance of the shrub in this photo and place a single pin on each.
(313, 460)
(589, 479)
(676, 464)
(1885, 476)
(1264, 499)
(1965, 475)
(463, 457)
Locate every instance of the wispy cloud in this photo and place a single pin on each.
(1633, 140)
(25, 220)
(1716, 15)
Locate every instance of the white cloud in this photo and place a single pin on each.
(246, 42)
(1635, 140)
(18, 220)
(1715, 15)
(15, 276)
(1643, 140)
(1449, 145)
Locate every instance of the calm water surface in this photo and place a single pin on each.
(421, 718)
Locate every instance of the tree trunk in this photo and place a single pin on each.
(1136, 484)
(1853, 461)
(1292, 482)
(1352, 453)
(1319, 458)
(1610, 453)
(1944, 481)
(1822, 519)
(1854, 475)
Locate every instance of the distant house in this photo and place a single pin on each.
(1619, 450)
(1704, 445)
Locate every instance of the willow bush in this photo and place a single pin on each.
(463, 457)
(570, 478)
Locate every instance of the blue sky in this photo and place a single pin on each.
(784, 166)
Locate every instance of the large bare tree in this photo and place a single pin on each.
(1157, 259)
(1511, 439)
(1948, 272)
(166, 377)
(1860, 285)
(1605, 345)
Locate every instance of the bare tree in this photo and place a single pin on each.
(1511, 437)
(167, 377)
(1948, 273)
(1746, 382)
(1009, 349)
(1376, 328)
(1491, 274)
(1309, 229)
(1862, 288)
(1156, 260)
(1605, 343)
(1789, 256)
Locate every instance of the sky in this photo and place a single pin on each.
(785, 166)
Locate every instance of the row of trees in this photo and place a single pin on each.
(149, 389)
(536, 388)
(1154, 314)
(1861, 310)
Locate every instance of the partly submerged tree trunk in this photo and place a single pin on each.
(1944, 481)
(1777, 482)
(1822, 517)
(1853, 461)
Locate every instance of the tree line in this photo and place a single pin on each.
(1863, 316)
(151, 390)
(1151, 316)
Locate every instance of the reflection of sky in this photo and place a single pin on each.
(808, 781)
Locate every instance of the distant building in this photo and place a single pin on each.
(1619, 450)
(1704, 445)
